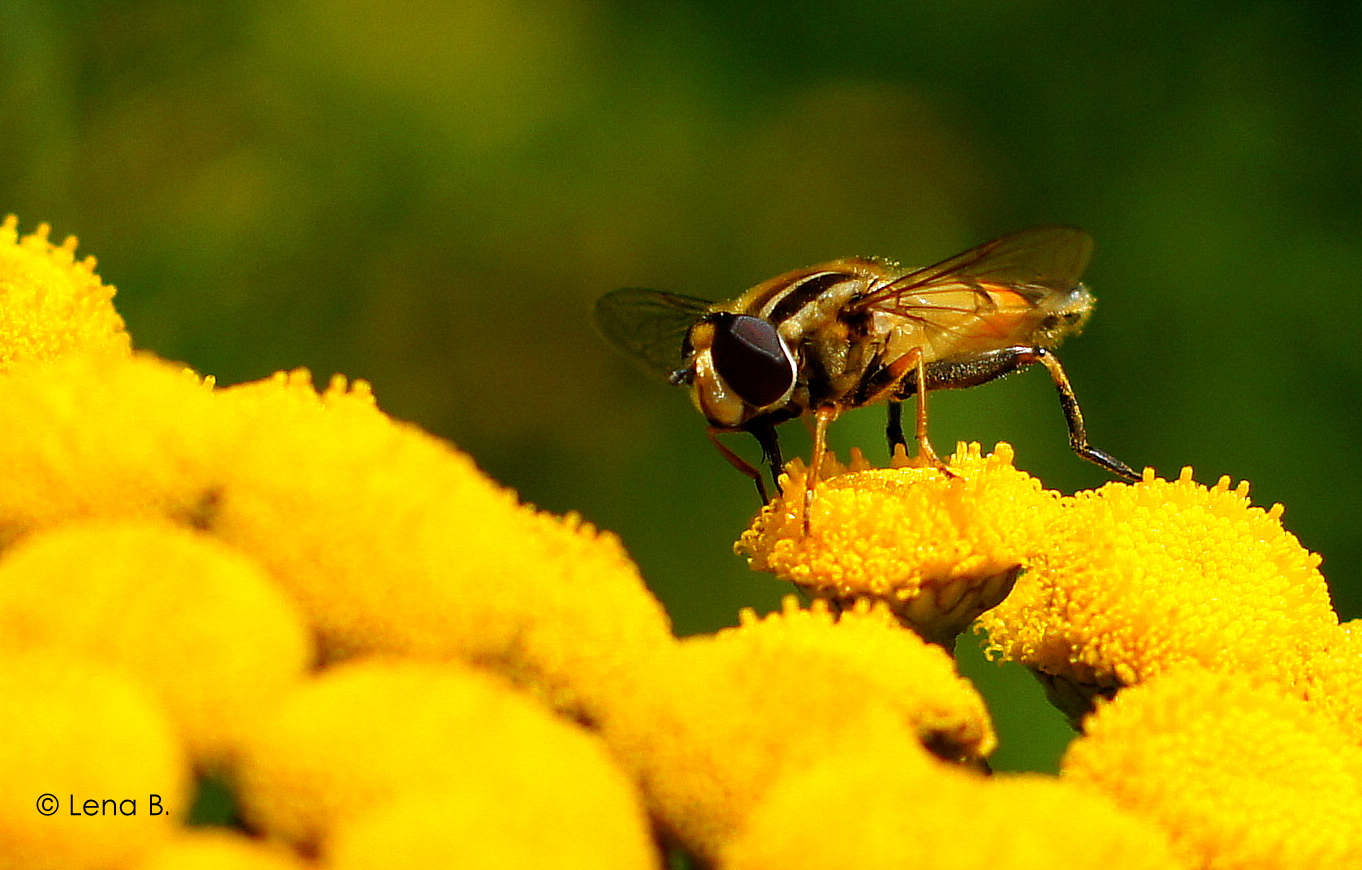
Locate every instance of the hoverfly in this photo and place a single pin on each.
(851, 332)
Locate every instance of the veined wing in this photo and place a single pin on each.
(649, 325)
(1041, 260)
(1026, 268)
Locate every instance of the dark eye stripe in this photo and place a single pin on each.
(750, 357)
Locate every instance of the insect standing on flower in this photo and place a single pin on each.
(856, 331)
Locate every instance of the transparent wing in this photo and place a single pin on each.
(1034, 263)
(649, 325)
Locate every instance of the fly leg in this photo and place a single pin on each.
(822, 417)
(985, 367)
(893, 430)
(889, 382)
(765, 433)
(747, 468)
(1073, 417)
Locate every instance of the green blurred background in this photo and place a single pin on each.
(430, 195)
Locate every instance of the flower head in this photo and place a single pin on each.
(52, 305)
(1134, 579)
(368, 733)
(1241, 775)
(75, 732)
(395, 542)
(938, 549)
(93, 437)
(889, 810)
(168, 605)
(720, 719)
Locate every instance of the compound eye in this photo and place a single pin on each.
(749, 355)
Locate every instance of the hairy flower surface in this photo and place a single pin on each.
(52, 305)
(938, 549)
(371, 732)
(190, 618)
(75, 732)
(1134, 579)
(1241, 775)
(889, 811)
(722, 718)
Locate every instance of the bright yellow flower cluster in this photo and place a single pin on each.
(395, 664)
(716, 721)
(1242, 775)
(396, 763)
(90, 768)
(1240, 738)
(939, 551)
(212, 547)
(888, 809)
(1136, 579)
(169, 605)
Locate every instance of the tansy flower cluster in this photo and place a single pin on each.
(388, 661)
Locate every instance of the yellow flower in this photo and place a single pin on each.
(367, 733)
(50, 304)
(87, 437)
(719, 719)
(1240, 775)
(938, 550)
(90, 772)
(881, 808)
(193, 620)
(394, 542)
(1138, 578)
(218, 849)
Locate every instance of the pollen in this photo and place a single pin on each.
(938, 549)
(1133, 579)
